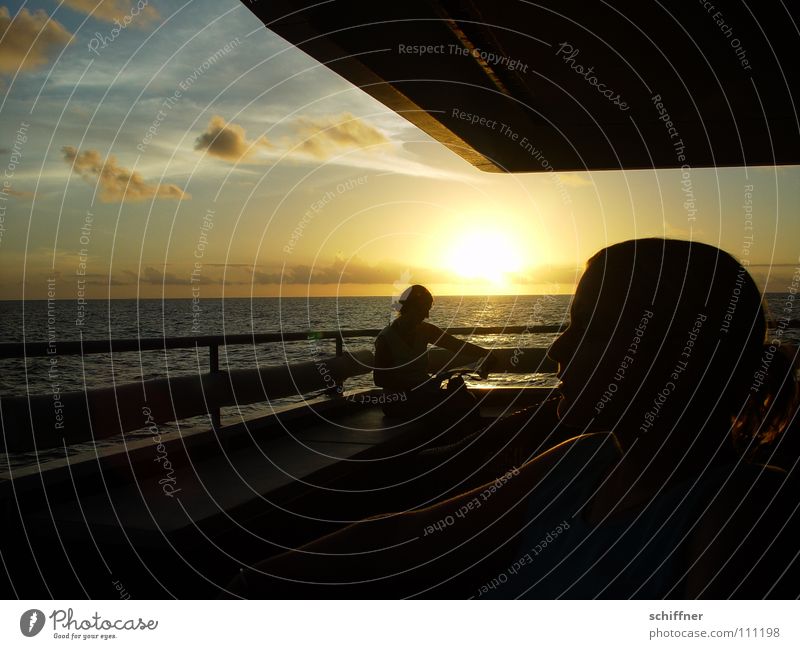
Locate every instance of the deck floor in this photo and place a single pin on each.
(196, 491)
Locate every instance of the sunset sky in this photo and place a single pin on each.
(257, 171)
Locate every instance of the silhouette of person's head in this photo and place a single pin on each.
(666, 338)
(415, 303)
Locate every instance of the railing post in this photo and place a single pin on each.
(339, 389)
(213, 367)
(213, 358)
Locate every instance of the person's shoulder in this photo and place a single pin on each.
(587, 446)
(597, 450)
(584, 458)
(384, 336)
(388, 330)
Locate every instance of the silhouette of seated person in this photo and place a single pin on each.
(666, 376)
(401, 363)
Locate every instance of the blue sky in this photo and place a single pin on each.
(264, 173)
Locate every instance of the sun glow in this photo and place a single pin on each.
(484, 254)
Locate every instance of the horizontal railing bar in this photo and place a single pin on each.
(96, 413)
(77, 347)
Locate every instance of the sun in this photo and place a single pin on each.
(484, 254)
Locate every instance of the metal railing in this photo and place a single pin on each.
(213, 343)
(226, 386)
(80, 347)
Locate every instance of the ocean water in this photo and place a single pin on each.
(131, 319)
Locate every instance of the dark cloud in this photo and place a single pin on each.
(225, 265)
(152, 275)
(117, 183)
(102, 279)
(227, 141)
(262, 277)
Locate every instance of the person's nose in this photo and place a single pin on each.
(560, 349)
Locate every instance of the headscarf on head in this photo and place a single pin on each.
(413, 294)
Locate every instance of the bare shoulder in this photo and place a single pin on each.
(577, 451)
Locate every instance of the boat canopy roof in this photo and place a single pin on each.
(519, 86)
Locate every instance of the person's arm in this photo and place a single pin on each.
(381, 375)
(439, 338)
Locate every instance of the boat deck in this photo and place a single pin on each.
(245, 493)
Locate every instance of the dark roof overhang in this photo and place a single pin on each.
(507, 85)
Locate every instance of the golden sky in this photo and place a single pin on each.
(197, 154)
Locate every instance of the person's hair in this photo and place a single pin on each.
(414, 298)
(745, 377)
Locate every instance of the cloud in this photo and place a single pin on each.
(17, 193)
(319, 137)
(116, 183)
(111, 10)
(355, 270)
(347, 271)
(574, 179)
(327, 138)
(678, 232)
(555, 274)
(28, 41)
(773, 278)
(156, 277)
(323, 137)
(103, 279)
(227, 141)
(152, 275)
